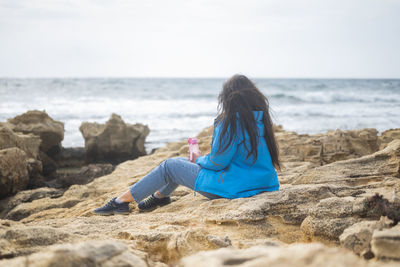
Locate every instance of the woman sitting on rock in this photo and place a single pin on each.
(240, 164)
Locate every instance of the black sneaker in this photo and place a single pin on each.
(113, 207)
(151, 202)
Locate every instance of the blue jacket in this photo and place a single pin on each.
(229, 174)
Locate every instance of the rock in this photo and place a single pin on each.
(172, 243)
(83, 175)
(38, 162)
(294, 147)
(39, 123)
(115, 141)
(19, 239)
(388, 136)
(35, 168)
(29, 143)
(326, 148)
(294, 255)
(27, 196)
(340, 145)
(377, 206)
(49, 165)
(314, 203)
(13, 171)
(33, 208)
(329, 218)
(31, 237)
(385, 244)
(317, 229)
(358, 236)
(7, 250)
(277, 128)
(370, 168)
(73, 157)
(105, 253)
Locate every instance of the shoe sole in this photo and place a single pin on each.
(156, 207)
(112, 213)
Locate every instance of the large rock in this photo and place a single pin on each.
(94, 253)
(329, 218)
(26, 196)
(326, 148)
(83, 175)
(307, 255)
(71, 157)
(388, 136)
(358, 171)
(13, 171)
(23, 240)
(49, 166)
(35, 207)
(26, 142)
(340, 145)
(115, 141)
(51, 132)
(358, 236)
(386, 243)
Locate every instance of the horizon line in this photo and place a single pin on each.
(197, 77)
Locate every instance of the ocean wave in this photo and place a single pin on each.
(282, 96)
(177, 108)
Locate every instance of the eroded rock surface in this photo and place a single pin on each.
(386, 243)
(13, 171)
(29, 143)
(92, 253)
(388, 136)
(315, 203)
(83, 175)
(27, 196)
(358, 236)
(326, 148)
(39, 123)
(294, 255)
(115, 141)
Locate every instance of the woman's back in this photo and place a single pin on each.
(232, 174)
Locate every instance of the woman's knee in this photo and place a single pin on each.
(168, 166)
(170, 163)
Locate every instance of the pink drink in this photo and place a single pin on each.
(193, 147)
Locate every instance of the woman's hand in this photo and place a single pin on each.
(194, 157)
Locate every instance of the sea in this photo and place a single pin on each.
(178, 108)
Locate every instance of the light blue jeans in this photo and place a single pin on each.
(167, 177)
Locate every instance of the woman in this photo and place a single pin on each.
(241, 162)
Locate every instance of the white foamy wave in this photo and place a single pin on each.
(175, 109)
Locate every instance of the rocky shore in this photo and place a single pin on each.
(32, 156)
(339, 205)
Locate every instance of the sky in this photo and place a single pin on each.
(200, 38)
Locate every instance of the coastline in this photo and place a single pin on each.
(177, 108)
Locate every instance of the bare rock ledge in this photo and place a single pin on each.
(327, 201)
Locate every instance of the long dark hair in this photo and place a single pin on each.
(240, 96)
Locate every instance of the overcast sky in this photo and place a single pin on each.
(200, 38)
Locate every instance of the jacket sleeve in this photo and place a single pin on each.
(214, 161)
